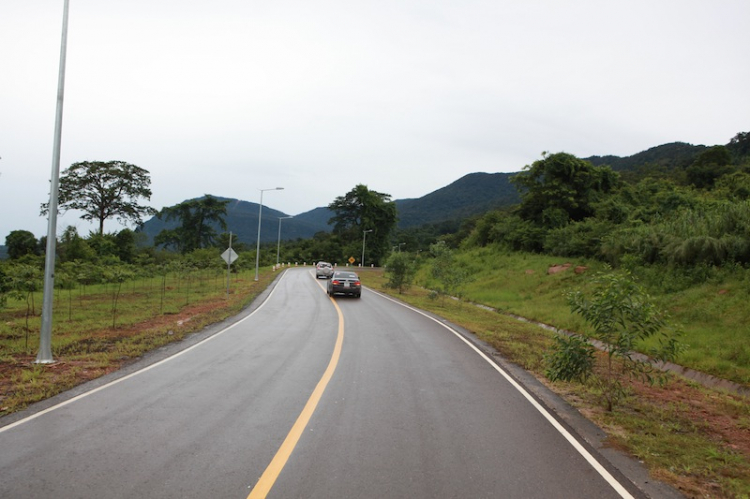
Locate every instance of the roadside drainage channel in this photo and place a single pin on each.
(701, 378)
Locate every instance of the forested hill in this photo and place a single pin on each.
(242, 221)
(674, 155)
(472, 194)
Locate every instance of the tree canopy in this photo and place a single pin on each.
(20, 243)
(197, 217)
(561, 188)
(360, 210)
(103, 190)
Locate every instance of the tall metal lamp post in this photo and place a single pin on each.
(44, 356)
(364, 238)
(278, 241)
(260, 216)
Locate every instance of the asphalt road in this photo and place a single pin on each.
(306, 397)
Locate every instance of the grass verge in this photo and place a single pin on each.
(697, 440)
(86, 345)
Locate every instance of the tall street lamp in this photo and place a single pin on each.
(260, 216)
(278, 241)
(44, 356)
(364, 237)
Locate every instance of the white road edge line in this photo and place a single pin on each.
(141, 371)
(614, 483)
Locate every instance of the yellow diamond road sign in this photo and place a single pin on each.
(351, 259)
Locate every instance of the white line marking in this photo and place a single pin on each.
(556, 424)
(145, 369)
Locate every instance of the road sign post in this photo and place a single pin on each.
(230, 257)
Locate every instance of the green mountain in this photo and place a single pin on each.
(242, 221)
(472, 194)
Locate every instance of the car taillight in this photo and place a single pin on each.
(334, 282)
(357, 283)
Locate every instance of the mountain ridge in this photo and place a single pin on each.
(470, 195)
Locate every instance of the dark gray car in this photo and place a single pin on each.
(345, 282)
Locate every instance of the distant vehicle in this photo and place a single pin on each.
(324, 269)
(345, 283)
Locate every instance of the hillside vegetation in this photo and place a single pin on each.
(712, 316)
(680, 228)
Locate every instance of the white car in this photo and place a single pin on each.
(323, 269)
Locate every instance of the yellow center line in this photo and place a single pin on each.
(269, 477)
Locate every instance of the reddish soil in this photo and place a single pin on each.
(66, 373)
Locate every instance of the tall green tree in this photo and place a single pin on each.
(197, 218)
(561, 188)
(103, 190)
(73, 247)
(709, 166)
(739, 146)
(20, 243)
(360, 210)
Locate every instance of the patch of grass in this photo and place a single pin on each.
(713, 317)
(84, 343)
(679, 448)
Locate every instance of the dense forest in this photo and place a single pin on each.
(674, 211)
(674, 205)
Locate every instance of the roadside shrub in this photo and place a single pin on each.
(696, 250)
(577, 239)
(621, 315)
(571, 359)
(642, 243)
(518, 235)
(450, 274)
(400, 270)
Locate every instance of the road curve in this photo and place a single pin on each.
(404, 409)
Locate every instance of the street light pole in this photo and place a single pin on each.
(278, 241)
(44, 356)
(260, 215)
(364, 237)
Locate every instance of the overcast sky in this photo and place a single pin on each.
(226, 97)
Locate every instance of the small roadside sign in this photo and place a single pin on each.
(229, 256)
(351, 259)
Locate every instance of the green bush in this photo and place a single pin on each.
(400, 271)
(571, 359)
(578, 239)
(621, 316)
